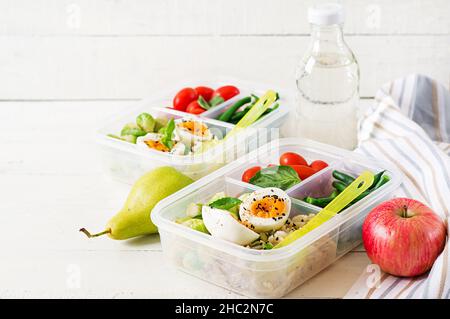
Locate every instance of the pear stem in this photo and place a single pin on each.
(89, 235)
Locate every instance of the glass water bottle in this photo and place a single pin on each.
(328, 82)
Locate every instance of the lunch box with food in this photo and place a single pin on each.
(274, 272)
(125, 161)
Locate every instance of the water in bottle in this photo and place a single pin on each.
(328, 82)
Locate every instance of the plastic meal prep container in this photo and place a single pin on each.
(270, 273)
(126, 162)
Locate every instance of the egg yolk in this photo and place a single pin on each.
(194, 127)
(268, 207)
(157, 145)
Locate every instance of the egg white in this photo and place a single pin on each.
(140, 141)
(221, 224)
(178, 149)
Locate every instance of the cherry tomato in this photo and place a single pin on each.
(303, 171)
(226, 92)
(205, 92)
(249, 173)
(270, 165)
(318, 165)
(291, 158)
(183, 98)
(194, 108)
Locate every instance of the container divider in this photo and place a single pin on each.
(321, 180)
(234, 181)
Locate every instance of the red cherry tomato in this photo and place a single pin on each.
(291, 158)
(249, 173)
(194, 108)
(205, 92)
(183, 98)
(270, 165)
(318, 165)
(226, 92)
(303, 171)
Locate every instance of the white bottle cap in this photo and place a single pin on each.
(326, 14)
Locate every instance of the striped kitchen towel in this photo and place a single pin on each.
(409, 126)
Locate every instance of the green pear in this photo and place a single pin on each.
(134, 218)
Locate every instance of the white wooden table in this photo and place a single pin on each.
(51, 184)
(65, 65)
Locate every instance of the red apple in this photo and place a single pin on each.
(403, 236)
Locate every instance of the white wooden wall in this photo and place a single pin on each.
(117, 49)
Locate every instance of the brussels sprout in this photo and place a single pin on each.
(196, 224)
(132, 129)
(130, 138)
(182, 219)
(126, 138)
(160, 122)
(194, 210)
(146, 122)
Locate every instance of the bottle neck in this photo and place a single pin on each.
(326, 36)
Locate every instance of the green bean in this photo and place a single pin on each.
(376, 178)
(340, 186)
(226, 116)
(321, 201)
(269, 111)
(314, 201)
(346, 179)
(383, 180)
(361, 196)
(239, 115)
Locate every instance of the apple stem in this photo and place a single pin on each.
(89, 235)
(405, 211)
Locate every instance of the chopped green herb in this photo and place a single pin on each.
(225, 203)
(167, 132)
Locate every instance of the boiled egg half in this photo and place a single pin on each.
(191, 131)
(265, 209)
(152, 141)
(221, 224)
